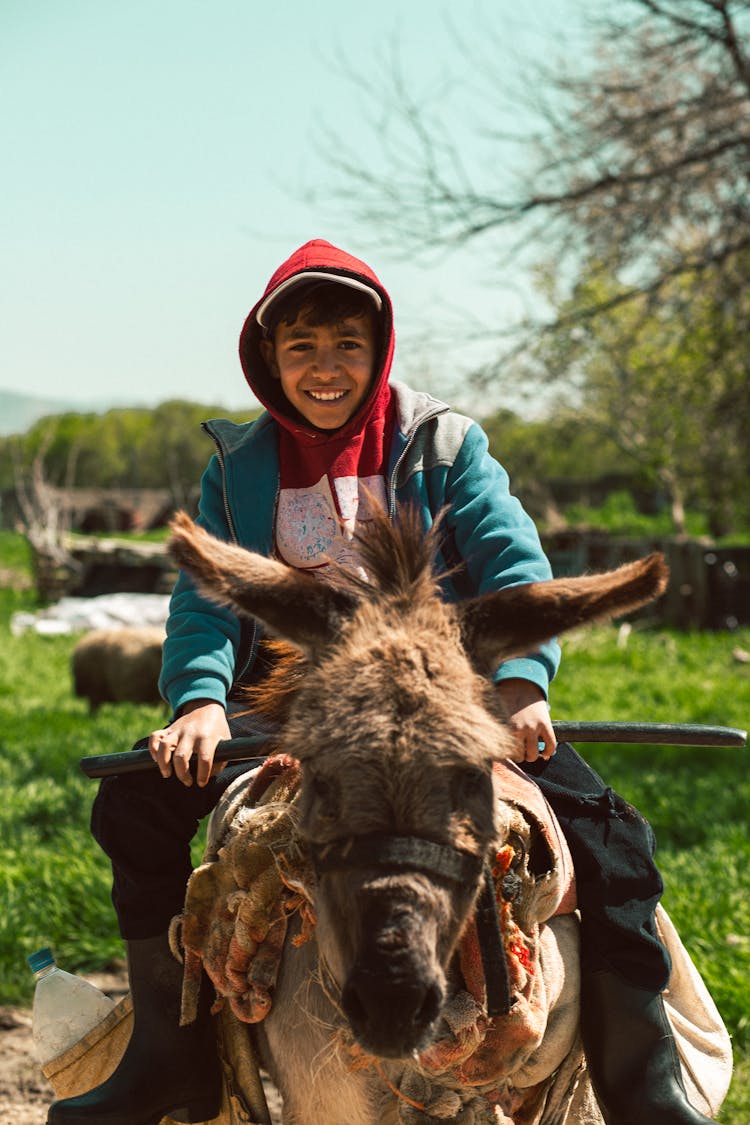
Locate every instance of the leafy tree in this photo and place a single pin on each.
(565, 462)
(638, 155)
(179, 449)
(670, 393)
(163, 448)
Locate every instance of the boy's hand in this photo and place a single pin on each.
(528, 717)
(202, 724)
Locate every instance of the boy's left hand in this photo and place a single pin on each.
(529, 719)
(195, 733)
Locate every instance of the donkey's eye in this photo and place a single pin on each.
(468, 784)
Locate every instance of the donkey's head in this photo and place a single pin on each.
(396, 724)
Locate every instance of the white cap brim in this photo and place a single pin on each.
(315, 275)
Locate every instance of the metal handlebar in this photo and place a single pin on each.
(657, 734)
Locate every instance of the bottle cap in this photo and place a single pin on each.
(41, 959)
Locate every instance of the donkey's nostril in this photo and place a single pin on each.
(430, 1007)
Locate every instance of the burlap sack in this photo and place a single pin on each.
(703, 1042)
(91, 1061)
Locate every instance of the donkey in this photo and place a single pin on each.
(395, 726)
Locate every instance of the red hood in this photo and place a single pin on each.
(323, 257)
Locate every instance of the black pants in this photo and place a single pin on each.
(617, 881)
(145, 824)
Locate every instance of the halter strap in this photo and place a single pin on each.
(407, 852)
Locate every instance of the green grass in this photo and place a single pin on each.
(54, 883)
(154, 535)
(696, 799)
(15, 557)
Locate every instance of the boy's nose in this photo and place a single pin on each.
(326, 363)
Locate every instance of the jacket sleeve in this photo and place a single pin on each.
(200, 650)
(498, 542)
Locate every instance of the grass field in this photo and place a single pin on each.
(54, 884)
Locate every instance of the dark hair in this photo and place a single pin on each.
(320, 302)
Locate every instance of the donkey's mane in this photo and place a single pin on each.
(398, 558)
(272, 696)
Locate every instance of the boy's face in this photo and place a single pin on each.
(325, 370)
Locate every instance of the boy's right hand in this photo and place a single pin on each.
(195, 733)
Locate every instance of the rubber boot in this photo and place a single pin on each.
(166, 1070)
(632, 1055)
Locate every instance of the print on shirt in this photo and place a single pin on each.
(310, 532)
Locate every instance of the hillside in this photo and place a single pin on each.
(19, 411)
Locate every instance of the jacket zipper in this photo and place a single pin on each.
(224, 497)
(434, 413)
(251, 647)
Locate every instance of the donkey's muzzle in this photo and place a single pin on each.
(394, 992)
(391, 1010)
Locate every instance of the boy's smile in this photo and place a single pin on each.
(325, 370)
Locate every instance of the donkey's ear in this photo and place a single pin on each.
(292, 605)
(518, 619)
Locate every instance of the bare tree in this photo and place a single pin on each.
(639, 158)
(46, 514)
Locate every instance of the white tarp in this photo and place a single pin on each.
(107, 611)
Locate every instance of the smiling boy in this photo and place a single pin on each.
(336, 437)
(325, 370)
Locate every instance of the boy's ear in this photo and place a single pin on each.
(268, 351)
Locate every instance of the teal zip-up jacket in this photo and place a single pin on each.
(437, 458)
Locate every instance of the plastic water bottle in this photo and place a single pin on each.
(66, 1007)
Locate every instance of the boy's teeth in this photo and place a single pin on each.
(326, 396)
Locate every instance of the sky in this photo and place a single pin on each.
(162, 157)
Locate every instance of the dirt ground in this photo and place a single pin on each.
(25, 1093)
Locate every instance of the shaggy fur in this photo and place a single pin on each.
(396, 727)
(118, 666)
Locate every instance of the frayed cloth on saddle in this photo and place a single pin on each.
(554, 880)
(239, 900)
